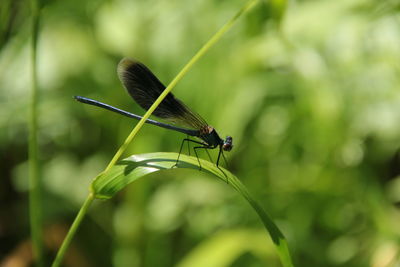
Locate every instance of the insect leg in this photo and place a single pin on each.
(180, 150)
(206, 147)
(219, 155)
(187, 137)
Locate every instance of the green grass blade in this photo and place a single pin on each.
(35, 207)
(131, 169)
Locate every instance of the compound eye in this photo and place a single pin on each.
(227, 147)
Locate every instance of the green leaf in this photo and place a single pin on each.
(106, 185)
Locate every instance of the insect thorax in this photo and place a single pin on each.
(209, 135)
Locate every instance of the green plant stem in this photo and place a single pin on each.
(71, 233)
(215, 38)
(128, 140)
(35, 207)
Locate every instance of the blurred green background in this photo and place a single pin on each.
(313, 109)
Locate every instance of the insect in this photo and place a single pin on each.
(144, 87)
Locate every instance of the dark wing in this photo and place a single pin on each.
(145, 88)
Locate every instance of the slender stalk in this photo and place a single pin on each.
(121, 150)
(71, 233)
(35, 207)
(215, 38)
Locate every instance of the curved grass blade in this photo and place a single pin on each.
(107, 184)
